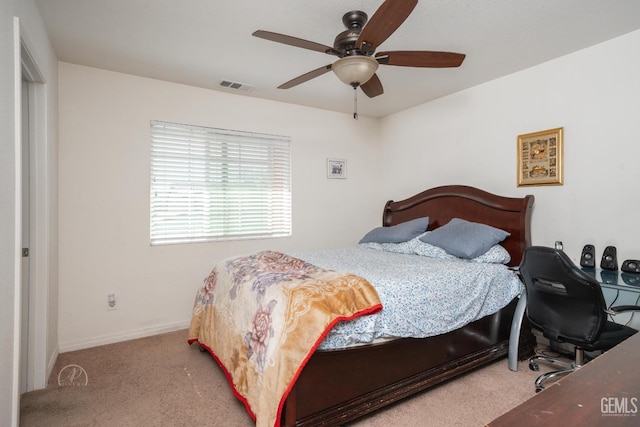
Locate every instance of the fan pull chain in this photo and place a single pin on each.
(355, 102)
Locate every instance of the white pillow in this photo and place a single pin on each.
(400, 248)
(496, 254)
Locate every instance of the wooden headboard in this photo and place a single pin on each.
(441, 204)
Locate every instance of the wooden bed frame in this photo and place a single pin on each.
(341, 385)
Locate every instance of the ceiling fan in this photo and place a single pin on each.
(356, 45)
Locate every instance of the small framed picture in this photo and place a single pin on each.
(540, 158)
(336, 168)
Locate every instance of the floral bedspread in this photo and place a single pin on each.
(422, 296)
(262, 316)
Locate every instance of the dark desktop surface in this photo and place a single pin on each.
(604, 392)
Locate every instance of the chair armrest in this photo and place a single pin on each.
(622, 308)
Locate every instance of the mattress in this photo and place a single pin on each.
(421, 295)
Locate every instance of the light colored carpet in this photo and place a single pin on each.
(161, 381)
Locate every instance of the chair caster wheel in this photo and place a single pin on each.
(534, 366)
(539, 389)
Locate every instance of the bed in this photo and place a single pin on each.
(334, 386)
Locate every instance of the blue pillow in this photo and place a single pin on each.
(397, 233)
(465, 239)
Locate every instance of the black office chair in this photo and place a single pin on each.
(567, 305)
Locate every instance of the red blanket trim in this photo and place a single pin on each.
(229, 379)
(371, 310)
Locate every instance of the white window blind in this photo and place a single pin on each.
(216, 184)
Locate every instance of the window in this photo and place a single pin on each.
(215, 184)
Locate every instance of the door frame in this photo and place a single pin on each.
(28, 64)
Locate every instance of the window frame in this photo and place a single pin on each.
(210, 184)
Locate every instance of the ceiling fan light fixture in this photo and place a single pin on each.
(355, 70)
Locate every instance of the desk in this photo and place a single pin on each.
(604, 392)
(618, 288)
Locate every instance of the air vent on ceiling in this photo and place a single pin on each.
(236, 85)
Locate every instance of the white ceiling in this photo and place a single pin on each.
(201, 42)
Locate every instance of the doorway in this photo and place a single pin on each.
(26, 231)
(34, 220)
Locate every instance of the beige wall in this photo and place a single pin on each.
(20, 20)
(466, 138)
(470, 138)
(104, 196)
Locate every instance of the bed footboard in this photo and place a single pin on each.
(342, 385)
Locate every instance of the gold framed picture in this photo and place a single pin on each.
(540, 158)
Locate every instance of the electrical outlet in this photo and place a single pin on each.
(112, 303)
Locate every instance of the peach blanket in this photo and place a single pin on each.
(262, 316)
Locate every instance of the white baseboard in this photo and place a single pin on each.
(123, 336)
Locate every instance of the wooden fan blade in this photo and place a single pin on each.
(389, 16)
(305, 77)
(421, 58)
(373, 87)
(294, 41)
